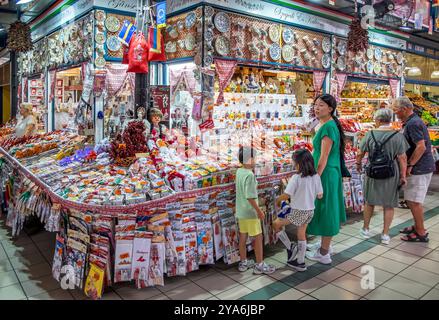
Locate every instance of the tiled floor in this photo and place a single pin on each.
(401, 270)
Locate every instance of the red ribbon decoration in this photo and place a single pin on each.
(393, 87)
(318, 79)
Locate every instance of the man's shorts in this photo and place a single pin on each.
(417, 187)
(250, 226)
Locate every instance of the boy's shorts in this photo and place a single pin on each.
(250, 226)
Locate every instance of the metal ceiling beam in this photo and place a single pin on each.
(8, 11)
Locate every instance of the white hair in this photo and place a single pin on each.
(383, 115)
(403, 102)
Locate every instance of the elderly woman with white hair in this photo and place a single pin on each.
(27, 125)
(383, 190)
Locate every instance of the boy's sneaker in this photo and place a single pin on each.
(245, 265)
(365, 233)
(296, 265)
(263, 268)
(292, 252)
(317, 256)
(385, 239)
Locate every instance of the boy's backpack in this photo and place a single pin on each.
(381, 165)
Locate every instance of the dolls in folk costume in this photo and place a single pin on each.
(158, 131)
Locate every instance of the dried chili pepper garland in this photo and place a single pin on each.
(358, 37)
(132, 141)
(19, 37)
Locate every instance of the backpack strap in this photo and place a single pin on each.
(381, 145)
(388, 139)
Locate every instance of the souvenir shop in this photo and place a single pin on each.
(142, 207)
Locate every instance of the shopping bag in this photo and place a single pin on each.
(138, 54)
(156, 45)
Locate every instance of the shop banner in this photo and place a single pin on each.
(318, 79)
(225, 70)
(393, 87)
(341, 82)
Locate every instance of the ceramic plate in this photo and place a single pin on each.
(222, 45)
(208, 60)
(399, 58)
(326, 61)
(189, 42)
(222, 22)
(273, 33)
(288, 35)
(100, 62)
(288, 53)
(208, 35)
(341, 63)
(209, 12)
(191, 18)
(112, 24)
(100, 38)
(369, 66)
(326, 45)
(390, 56)
(378, 54)
(113, 43)
(199, 12)
(275, 51)
(341, 48)
(377, 67)
(180, 25)
(171, 47)
(369, 53)
(100, 15)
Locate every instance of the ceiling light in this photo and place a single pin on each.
(24, 1)
(415, 71)
(435, 74)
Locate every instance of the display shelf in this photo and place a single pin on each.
(366, 99)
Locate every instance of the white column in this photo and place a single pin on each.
(49, 102)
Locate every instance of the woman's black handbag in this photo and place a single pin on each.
(344, 170)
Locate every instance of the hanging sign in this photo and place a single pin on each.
(161, 14)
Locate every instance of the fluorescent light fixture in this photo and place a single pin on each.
(24, 1)
(435, 74)
(415, 71)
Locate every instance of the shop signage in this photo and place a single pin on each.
(382, 39)
(120, 5)
(177, 5)
(161, 14)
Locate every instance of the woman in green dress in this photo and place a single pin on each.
(329, 147)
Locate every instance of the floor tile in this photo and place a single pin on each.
(13, 292)
(159, 297)
(401, 256)
(44, 236)
(110, 296)
(132, 293)
(173, 283)
(5, 265)
(34, 272)
(59, 294)
(188, 292)
(330, 275)
(339, 247)
(282, 273)
(387, 264)
(414, 248)
(203, 272)
(331, 292)
(378, 250)
(8, 278)
(311, 285)
(276, 263)
(217, 283)
(23, 262)
(381, 276)
(238, 276)
(407, 287)
(433, 294)
(291, 294)
(22, 240)
(352, 284)
(235, 293)
(349, 265)
(259, 282)
(351, 242)
(22, 251)
(434, 255)
(429, 265)
(364, 257)
(383, 293)
(307, 297)
(420, 276)
(41, 285)
(341, 237)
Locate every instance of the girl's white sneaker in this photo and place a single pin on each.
(365, 233)
(385, 239)
(317, 256)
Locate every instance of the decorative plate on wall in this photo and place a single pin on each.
(342, 46)
(378, 54)
(273, 33)
(341, 63)
(326, 61)
(113, 43)
(288, 53)
(112, 24)
(275, 51)
(288, 35)
(369, 53)
(326, 45)
(222, 45)
(190, 20)
(222, 22)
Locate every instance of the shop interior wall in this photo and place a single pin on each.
(5, 95)
(426, 65)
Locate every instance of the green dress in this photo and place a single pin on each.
(330, 210)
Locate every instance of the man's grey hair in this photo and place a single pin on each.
(403, 102)
(384, 115)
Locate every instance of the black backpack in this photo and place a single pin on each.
(381, 165)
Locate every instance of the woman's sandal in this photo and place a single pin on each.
(407, 230)
(403, 205)
(415, 237)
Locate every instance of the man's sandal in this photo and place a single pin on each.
(415, 237)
